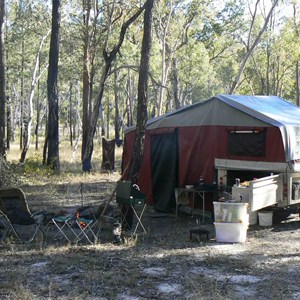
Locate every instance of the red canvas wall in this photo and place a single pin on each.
(198, 148)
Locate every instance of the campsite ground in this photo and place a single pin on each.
(164, 264)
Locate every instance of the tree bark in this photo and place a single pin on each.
(2, 81)
(138, 151)
(52, 138)
(117, 113)
(85, 74)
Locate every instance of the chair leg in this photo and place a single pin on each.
(60, 229)
(139, 220)
(87, 229)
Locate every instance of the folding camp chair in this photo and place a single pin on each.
(133, 202)
(75, 227)
(15, 213)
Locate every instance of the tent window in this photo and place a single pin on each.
(246, 143)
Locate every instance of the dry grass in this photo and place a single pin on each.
(164, 264)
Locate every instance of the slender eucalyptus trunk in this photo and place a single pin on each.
(117, 113)
(85, 75)
(71, 114)
(138, 151)
(108, 56)
(2, 82)
(52, 138)
(252, 47)
(28, 122)
(298, 83)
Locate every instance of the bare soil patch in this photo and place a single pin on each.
(164, 264)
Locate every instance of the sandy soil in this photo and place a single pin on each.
(164, 264)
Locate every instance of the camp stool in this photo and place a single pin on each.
(79, 227)
(87, 226)
(64, 224)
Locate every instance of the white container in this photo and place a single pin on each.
(231, 212)
(253, 215)
(265, 218)
(231, 232)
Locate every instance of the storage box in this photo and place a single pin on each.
(265, 218)
(231, 212)
(253, 215)
(231, 232)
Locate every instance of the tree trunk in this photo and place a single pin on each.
(8, 125)
(107, 118)
(138, 151)
(117, 113)
(164, 64)
(129, 99)
(28, 122)
(85, 75)
(175, 84)
(52, 139)
(297, 83)
(251, 48)
(298, 62)
(88, 146)
(38, 117)
(2, 81)
(71, 115)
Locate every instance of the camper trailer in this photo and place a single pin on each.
(281, 187)
(253, 138)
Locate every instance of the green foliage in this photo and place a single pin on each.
(33, 166)
(205, 43)
(8, 174)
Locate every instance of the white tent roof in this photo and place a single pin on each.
(275, 111)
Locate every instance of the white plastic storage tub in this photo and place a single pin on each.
(227, 212)
(265, 218)
(231, 232)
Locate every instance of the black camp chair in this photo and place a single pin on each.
(15, 213)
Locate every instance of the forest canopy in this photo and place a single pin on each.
(200, 48)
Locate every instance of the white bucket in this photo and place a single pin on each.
(265, 218)
(253, 217)
(231, 232)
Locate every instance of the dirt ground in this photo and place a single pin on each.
(164, 264)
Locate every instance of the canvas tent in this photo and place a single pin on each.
(185, 144)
